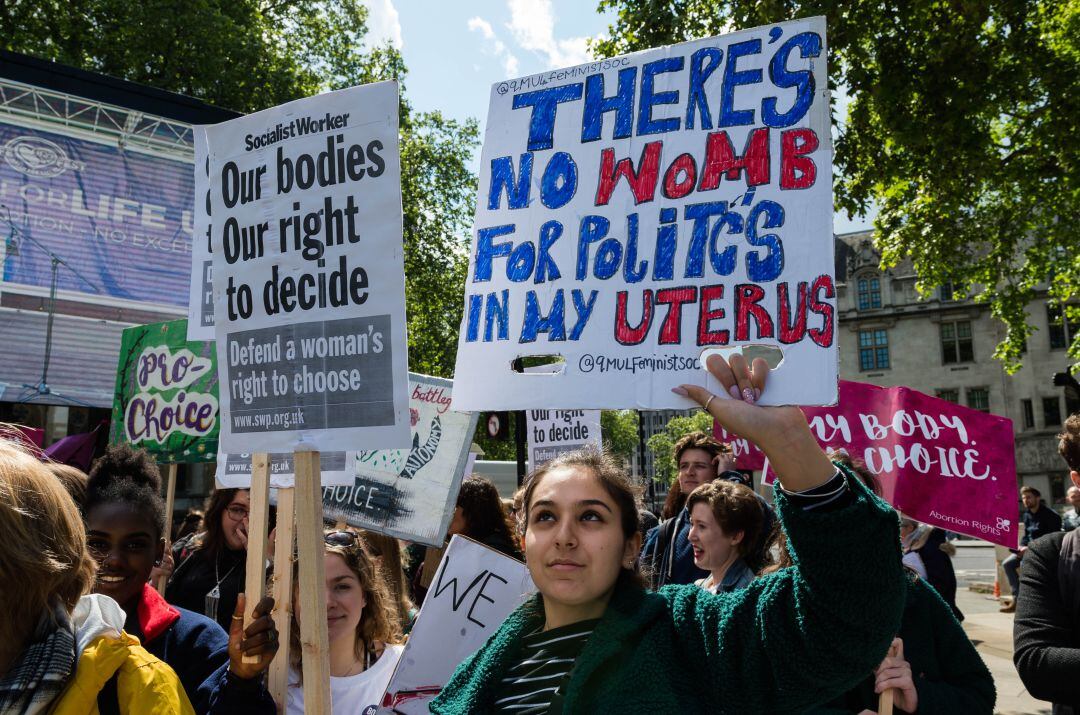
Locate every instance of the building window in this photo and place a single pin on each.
(1051, 412)
(873, 350)
(1029, 413)
(945, 292)
(869, 293)
(978, 398)
(1060, 328)
(956, 345)
(952, 396)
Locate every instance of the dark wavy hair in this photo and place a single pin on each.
(129, 476)
(483, 509)
(213, 537)
(617, 484)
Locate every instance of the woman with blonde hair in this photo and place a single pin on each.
(62, 651)
(363, 628)
(386, 550)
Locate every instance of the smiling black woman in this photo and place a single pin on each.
(125, 518)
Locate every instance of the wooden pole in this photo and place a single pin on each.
(311, 551)
(170, 504)
(283, 591)
(258, 522)
(885, 700)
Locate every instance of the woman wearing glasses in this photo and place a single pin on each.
(363, 628)
(210, 566)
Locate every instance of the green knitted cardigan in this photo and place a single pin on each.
(795, 638)
(949, 675)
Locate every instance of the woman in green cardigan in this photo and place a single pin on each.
(595, 640)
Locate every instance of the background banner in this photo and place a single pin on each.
(938, 462)
(554, 432)
(121, 218)
(411, 493)
(201, 299)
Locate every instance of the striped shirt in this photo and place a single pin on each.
(542, 667)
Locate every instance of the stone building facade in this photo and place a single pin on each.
(943, 346)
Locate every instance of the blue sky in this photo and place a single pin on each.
(455, 51)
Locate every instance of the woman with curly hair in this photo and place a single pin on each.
(125, 529)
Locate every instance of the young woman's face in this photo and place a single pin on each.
(234, 521)
(712, 546)
(696, 467)
(344, 599)
(125, 544)
(574, 543)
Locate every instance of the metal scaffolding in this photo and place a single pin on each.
(127, 128)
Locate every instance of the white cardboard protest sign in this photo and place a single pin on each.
(234, 470)
(410, 493)
(309, 288)
(637, 210)
(472, 593)
(201, 292)
(554, 432)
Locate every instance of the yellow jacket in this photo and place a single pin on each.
(144, 683)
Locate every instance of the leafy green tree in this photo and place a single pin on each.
(620, 431)
(248, 55)
(662, 444)
(961, 129)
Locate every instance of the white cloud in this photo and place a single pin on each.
(533, 26)
(493, 45)
(383, 23)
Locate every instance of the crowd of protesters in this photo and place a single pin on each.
(728, 604)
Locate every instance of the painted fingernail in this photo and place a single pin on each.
(734, 392)
(748, 395)
(757, 394)
(681, 391)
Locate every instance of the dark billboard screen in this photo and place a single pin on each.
(121, 218)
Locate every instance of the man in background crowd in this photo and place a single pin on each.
(1039, 520)
(1071, 518)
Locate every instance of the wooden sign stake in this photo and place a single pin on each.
(170, 504)
(885, 700)
(258, 521)
(311, 551)
(283, 592)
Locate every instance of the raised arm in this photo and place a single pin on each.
(810, 632)
(781, 432)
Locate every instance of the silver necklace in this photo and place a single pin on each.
(210, 605)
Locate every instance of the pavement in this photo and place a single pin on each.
(989, 629)
(991, 632)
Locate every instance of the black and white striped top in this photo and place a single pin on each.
(544, 662)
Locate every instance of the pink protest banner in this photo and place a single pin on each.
(938, 462)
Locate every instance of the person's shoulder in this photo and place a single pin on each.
(1048, 545)
(192, 626)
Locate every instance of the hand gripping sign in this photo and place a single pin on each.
(635, 211)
